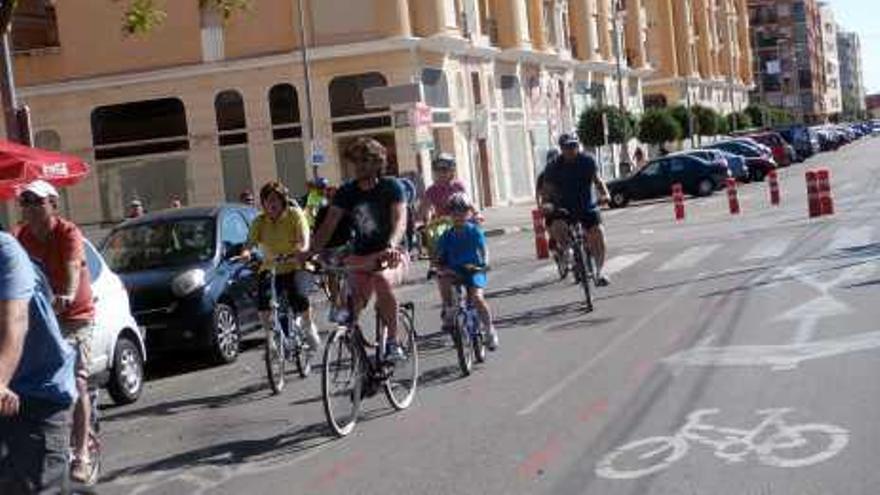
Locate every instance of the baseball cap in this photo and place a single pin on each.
(136, 202)
(41, 189)
(567, 140)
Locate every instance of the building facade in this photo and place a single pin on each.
(202, 109)
(833, 101)
(852, 86)
(789, 57)
(700, 52)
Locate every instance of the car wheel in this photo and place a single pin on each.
(225, 333)
(127, 374)
(619, 200)
(705, 187)
(759, 175)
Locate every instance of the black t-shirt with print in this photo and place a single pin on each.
(370, 212)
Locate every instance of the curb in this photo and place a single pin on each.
(501, 231)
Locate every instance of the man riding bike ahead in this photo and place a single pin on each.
(378, 212)
(568, 184)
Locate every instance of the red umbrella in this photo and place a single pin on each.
(20, 165)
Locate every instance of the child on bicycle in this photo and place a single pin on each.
(281, 231)
(462, 257)
(434, 212)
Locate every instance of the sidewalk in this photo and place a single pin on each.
(503, 220)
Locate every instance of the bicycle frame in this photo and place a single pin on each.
(691, 431)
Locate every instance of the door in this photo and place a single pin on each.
(485, 174)
(682, 171)
(650, 181)
(242, 279)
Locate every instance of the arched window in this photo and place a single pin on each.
(347, 107)
(232, 138)
(290, 160)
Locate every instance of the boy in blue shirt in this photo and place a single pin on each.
(462, 255)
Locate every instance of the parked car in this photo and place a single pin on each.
(186, 286)
(735, 163)
(118, 351)
(803, 139)
(782, 151)
(759, 163)
(655, 180)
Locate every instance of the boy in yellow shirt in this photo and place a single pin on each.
(281, 231)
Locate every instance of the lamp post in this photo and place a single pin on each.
(618, 49)
(304, 50)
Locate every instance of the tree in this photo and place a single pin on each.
(737, 121)
(143, 16)
(722, 123)
(681, 115)
(756, 114)
(620, 126)
(659, 126)
(706, 119)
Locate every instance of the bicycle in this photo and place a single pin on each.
(468, 337)
(350, 374)
(582, 262)
(286, 342)
(773, 441)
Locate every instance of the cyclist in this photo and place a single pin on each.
(377, 208)
(338, 244)
(434, 214)
(568, 184)
(281, 230)
(461, 252)
(314, 199)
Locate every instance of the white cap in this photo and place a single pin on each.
(41, 189)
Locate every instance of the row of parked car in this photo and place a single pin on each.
(746, 157)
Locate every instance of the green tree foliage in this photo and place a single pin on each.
(706, 120)
(659, 126)
(722, 123)
(621, 126)
(738, 121)
(680, 114)
(143, 16)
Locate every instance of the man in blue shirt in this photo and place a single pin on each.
(568, 183)
(37, 386)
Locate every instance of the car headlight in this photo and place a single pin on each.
(188, 282)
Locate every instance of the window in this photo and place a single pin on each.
(212, 35)
(510, 92)
(290, 163)
(34, 26)
(233, 230)
(436, 88)
(347, 100)
(229, 109)
(652, 169)
(139, 128)
(93, 261)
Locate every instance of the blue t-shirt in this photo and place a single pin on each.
(461, 246)
(45, 371)
(370, 212)
(570, 185)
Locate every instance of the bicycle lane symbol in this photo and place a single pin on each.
(772, 442)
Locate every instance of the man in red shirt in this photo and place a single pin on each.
(57, 245)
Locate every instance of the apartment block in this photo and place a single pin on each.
(833, 100)
(789, 61)
(203, 109)
(700, 52)
(852, 86)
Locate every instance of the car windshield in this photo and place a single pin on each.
(161, 244)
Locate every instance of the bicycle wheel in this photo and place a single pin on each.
(641, 458)
(803, 445)
(341, 383)
(580, 267)
(479, 342)
(400, 388)
(301, 356)
(275, 360)
(462, 339)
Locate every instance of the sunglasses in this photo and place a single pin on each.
(31, 200)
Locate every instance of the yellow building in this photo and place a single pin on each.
(202, 110)
(701, 54)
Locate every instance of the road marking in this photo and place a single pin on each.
(647, 208)
(622, 262)
(850, 237)
(808, 315)
(689, 258)
(605, 352)
(768, 248)
(778, 356)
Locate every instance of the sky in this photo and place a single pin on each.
(862, 17)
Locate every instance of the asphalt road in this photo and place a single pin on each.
(731, 355)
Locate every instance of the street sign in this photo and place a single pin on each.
(318, 156)
(385, 96)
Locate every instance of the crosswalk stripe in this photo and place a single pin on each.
(850, 237)
(622, 262)
(689, 258)
(768, 248)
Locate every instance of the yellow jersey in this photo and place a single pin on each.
(284, 236)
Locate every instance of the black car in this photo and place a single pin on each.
(655, 180)
(760, 162)
(185, 287)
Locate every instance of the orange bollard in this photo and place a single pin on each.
(773, 180)
(678, 201)
(826, 202)
(542, 245)
(813, 194)
(732, 198)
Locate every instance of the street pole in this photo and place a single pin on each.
(304, 50)
(618, 48)
(7, 91)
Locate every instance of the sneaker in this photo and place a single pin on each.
(81, 471)
(312, 337)
(493, 339)
(394, 353)
(602, 281)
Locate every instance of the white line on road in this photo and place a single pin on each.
(611, 347)
(768, 248)
(689, 258)
(850, 237)
(622, 262)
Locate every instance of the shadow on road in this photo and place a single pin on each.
(519, 290)
(539, 315)
(578, 324)
(182, 363)
(243, 395)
